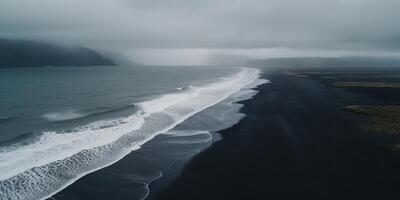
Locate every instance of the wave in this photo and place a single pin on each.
(75, 114)
(7, 119)
(64, 115)
(40, 169)
(186, 133)
(185, 87)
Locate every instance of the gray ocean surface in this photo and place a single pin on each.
(33, 100)
(58, 124)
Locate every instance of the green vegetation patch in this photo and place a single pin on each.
(368, 84)
(384, 119)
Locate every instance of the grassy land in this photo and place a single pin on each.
(385, 119)
(368, 84)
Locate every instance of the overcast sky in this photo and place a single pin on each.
(210, 31)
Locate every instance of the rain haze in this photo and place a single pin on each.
(209, 32)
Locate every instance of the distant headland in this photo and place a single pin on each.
(22, 53)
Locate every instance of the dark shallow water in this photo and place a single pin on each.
(130, 177)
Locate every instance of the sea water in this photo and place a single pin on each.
(58, 124)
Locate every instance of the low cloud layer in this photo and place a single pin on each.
(208, 26)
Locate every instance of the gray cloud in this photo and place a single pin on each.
(131, 25)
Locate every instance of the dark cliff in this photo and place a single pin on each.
(19, 53)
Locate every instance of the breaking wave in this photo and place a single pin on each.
(62, 116)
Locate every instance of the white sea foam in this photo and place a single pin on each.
(186, 133)
(64, 115)
(57, 159)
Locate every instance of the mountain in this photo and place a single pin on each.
(345, 62)
(21, 53)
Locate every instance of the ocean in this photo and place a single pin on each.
(58, 124)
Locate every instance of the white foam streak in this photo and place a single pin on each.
(65, 115)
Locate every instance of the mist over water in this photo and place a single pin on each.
(169, 32)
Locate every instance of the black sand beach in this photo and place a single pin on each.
(296, 142)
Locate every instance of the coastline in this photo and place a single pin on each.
(296, 141)
(135, 172)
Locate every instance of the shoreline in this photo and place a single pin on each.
(296, 141)
(175, 170)
(79, 190)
